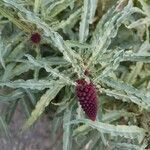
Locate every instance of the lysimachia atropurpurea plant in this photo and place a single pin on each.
(74, 39)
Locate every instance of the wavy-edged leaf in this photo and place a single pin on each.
(112, 64)
(131, 77)
(118, 146)
(107, 118)
(89, 9)
(57, 6)
(132, 132)
(12, 96)
(72, 43)
(145, 6)
(30, 84)
(18, 52)
(135, 95)
(115, 115)
(54, 72)
(137, 58)
(13, 70)
(3, 50)
(31, 96)
(106, 29)
(70, 20)
(7, 73)
(66, 128)
(41, 104)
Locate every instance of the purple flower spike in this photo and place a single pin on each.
(87, 96)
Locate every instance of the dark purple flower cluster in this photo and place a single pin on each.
(35, 38)
(87, 96)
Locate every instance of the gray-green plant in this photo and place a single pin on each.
(110, 40)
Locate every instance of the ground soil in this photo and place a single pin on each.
(37, 138)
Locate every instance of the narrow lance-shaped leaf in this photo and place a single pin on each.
(30, 84)
(13, 70)
(66, 128)
(132, 132)
(112, 65)
(136, 58)
(46, 66)
(132, 93)
(68, 21)
(42, 103)
(2, 53)
(4, 128)
(89, 9)
(125, 146)
(8, 70)
(12, 96)
(145, 6)
(106, 29)
(57, 6)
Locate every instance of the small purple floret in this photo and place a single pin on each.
(35, 38)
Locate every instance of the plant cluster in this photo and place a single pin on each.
(55, 54)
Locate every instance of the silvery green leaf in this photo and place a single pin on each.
(112, 64)
(114, 115)
(8, 70)
(4, 128)
(57, 6)
(66, 128)
(106, 29)
(69, 20)
(93, 8)
(3, 50)
(137, 58)
(54, 72)
(131, 77)
(16, 70)
(71, 43)
(89, 9)
(18, 52)
(12, 96)
(41, 104)
(129, 91)
(140, 22)
(29, 84)
(31, 96)
(146, 7)
(132, 132)
(37, 4)
(125, 146)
